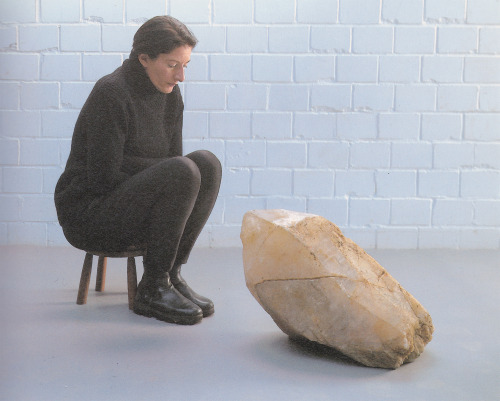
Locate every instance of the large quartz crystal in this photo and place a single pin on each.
(319, 285)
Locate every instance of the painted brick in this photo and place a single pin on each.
(452, 212)
(314, 68)
(442, 69)
(225, 236)
(357, 68)
(64, 149)
(38, 209)
(245, 153)
(480, 184)
(289, 39)
(51, 11)
(9, 207)
(317, 11)
(9, 151)
(50, 176)
(483, 12)
(209, 96)
(354, 183)
(74, 94)
(276, 12)
(457, 98)
(271, 182)
(359, 12)
(8, 38)
(437, 238)
(457, 40)
(489, 40)
(439, 183)
(272, 68)
(58, 123)
(18, 11)
(55, 236)
(197, 69)
(246, 39)
(482, 69)
(479, 238)
(445, 10)
(412, 98)
(328, 155)
(237, 207)
(314, 126)
(272, 125)
(373, 97)
(236, 181)
(118, 38)
(487, 213)
(44, 152)
(38, 37)
(19, 66)
(233, 12)
(487, 155)
(27, 233)
(334, 210)
(286, 154)
(216, 146)
(411, 155)
(395, 183)
(10, 95)
(331, 39)
(60, 67)
(212, 39)
(81, 37)
(20, 123)
(411, 212)
(399, 126)
(22, 180)
(357, 126)
(96, 66)
(489, 98)
(195, 124)
(335, 97)
(313, 183)
(39, 95)
(140, 10)
(288, 98)
(247, 97)
(364, 237)
(372, 40)
(369, 212)
(231, 68)
(441, 126)
(397, 238)
(399, 68)
(103, 11)
(230, 125)
(414, 40)
(453, 155)
(482, 127)
(370, 155)
(411, 12)
(288, 203)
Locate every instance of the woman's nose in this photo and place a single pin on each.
(179, 76)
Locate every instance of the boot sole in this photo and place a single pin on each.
(146, 310)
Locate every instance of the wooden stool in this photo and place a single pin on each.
(130, 253)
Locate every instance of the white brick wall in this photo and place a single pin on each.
(381, 115)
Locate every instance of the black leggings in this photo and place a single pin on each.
(164, 207)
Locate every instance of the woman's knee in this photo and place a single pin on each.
(180, 173)
(207, 163)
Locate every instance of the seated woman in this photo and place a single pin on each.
(126, 182)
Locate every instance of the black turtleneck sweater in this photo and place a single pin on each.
(125, 126)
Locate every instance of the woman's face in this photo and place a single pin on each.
(167, 70)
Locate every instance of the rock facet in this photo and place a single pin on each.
(319, 285)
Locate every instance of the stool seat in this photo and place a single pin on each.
(130, 253)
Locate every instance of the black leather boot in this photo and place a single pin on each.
(206, 305)
(157, 297)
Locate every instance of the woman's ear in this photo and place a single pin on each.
(144, 59)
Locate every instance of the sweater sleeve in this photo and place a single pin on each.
(106, 128)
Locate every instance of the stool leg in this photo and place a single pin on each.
(83, 290)
(100, 281)
(131, 281)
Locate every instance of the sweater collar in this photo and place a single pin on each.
(137, 78)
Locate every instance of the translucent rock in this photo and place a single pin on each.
(319, 285)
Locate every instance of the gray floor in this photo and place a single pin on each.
(52, 349)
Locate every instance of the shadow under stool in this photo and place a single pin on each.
(130, 254)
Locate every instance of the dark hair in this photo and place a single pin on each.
(161, 34)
